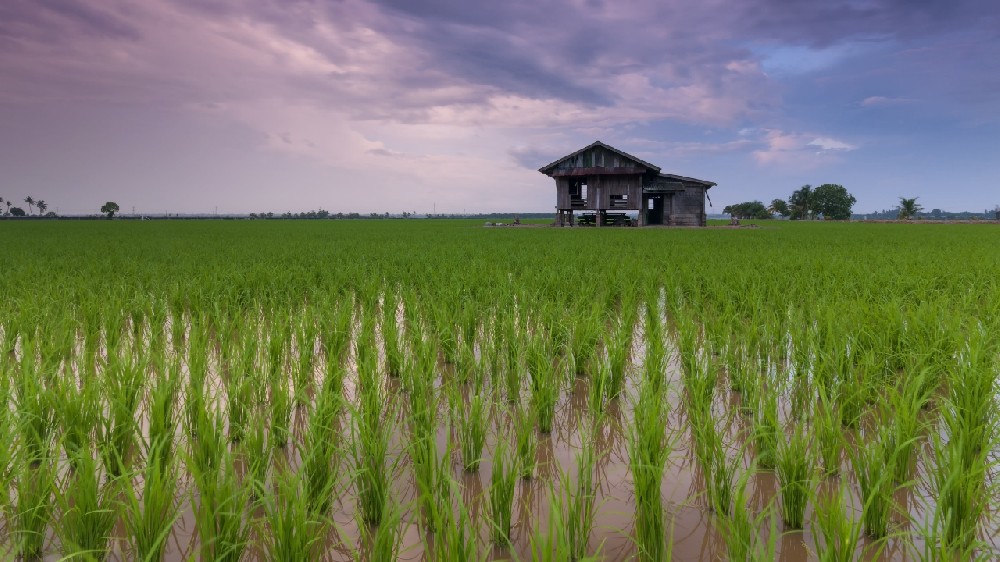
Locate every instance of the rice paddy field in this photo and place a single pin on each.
(436, 390)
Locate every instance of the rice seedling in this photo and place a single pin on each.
(281, 411)
(577, 501)
(384, 542)
(962, 464)
(222, 500)
(88, 511)
(766, 432)
(470, 422)
(431, 470)
(840, 532)
(320, 456)
(79, 415)
(720, 475)
(34, 486)
(33, 410)
(455, 539)
(741, 528)
(257, 452)
(583, 342)
(149, 513)
(501, 494)
(526, 442)
(291, 528)
(370, 436)
(875, 481)
(544, 384)
(796, 469)
(829, 437)
(649, 448)
(619, 350)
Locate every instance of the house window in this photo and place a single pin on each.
(619, 201)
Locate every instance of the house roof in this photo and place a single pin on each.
(546, 169)
(549, 168)
(675, 177)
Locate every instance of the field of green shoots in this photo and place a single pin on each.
(436, 390)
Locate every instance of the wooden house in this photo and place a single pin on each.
(609, 182)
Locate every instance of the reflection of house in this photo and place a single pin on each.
(601, 178)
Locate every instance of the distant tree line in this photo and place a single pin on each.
(12, 211)
(829, 201)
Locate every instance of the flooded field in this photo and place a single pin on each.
(431, 391)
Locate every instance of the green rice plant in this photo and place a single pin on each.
(961, 468)
(124, 382)
(649, 449)
(150, 513)
(904, 408)
(741, 528)
(384, 542)
(257, 452)
(526, 442)
(32, 403)
(544, 384)
(34, 487)
(583, 342)
(455, 538)
(320, 456)
(841, 534)
(281, 412)
(431, 470)
(291, 529)
(719, 478)
(875, 480)
(79, 414)
(8, 443)
(239, 391)
(162, 423)
(88, 511)
(501, 494)
(303, 373)
(619, 351)
(220, 508)
(577, 501)
(597, 390)
(828, 427)
(394, 356)
(370, 436)
(766, 431)
(795, 465)
(471, 424)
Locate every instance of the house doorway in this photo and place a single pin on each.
(654, 209)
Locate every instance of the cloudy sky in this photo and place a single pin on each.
(412, 105)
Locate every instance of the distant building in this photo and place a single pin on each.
(609, 182)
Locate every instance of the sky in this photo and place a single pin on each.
(236, 106)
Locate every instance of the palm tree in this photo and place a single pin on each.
(30, 201)
(908, 208)
(801, 202)
(42, 206)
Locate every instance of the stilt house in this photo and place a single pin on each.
(608, 182)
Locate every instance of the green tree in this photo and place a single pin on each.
(779, 207)
(908, 208)
(17, 212)
(801, 203)
(748, 210)
(30, 201)
(109, 209)
(42, 205)
(832, 201)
